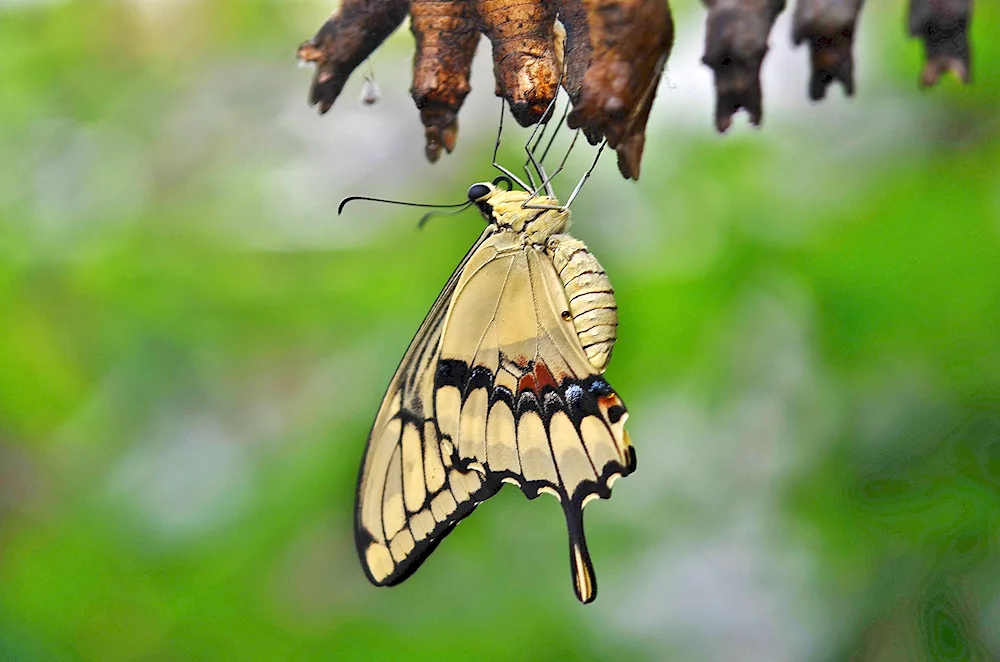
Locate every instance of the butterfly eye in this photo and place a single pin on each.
(478, 191)
(566, 316)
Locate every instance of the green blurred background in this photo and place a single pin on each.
(193, 345)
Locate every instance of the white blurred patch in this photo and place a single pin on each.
(729, 596)
(189, 478)
(79, 180)
(776, 410)
(686, 98)
(285, 401)
(373, 150)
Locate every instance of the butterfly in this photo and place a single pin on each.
(501, 384)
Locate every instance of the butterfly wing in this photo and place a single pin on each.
(409, 494)
(516, 398)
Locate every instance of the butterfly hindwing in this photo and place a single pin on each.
(518, 396)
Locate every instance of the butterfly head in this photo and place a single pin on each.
(537, 217)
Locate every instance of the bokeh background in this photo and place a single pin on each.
(193, 345)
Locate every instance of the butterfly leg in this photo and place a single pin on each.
(579, 186)
(586, 175)
(496, 149)
(530, 148)
(549, 178)
(540, 128)
(552, 138)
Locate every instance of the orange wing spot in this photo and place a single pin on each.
(608, 401)
(538, 379)
(543, 377)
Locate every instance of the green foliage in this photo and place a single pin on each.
(193, 345)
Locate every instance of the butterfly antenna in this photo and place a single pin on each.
(496, 150)
(352, 198)
(426, 217)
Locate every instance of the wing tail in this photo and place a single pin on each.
(584, 577)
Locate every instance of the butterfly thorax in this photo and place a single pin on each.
(541, 221)
(537, 218)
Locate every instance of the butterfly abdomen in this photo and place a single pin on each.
(592, 305)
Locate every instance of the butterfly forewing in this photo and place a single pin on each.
(394, 536)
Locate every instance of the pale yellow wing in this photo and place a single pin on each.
(516, 397)
(409, 494)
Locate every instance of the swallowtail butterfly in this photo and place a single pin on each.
(502, 384)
